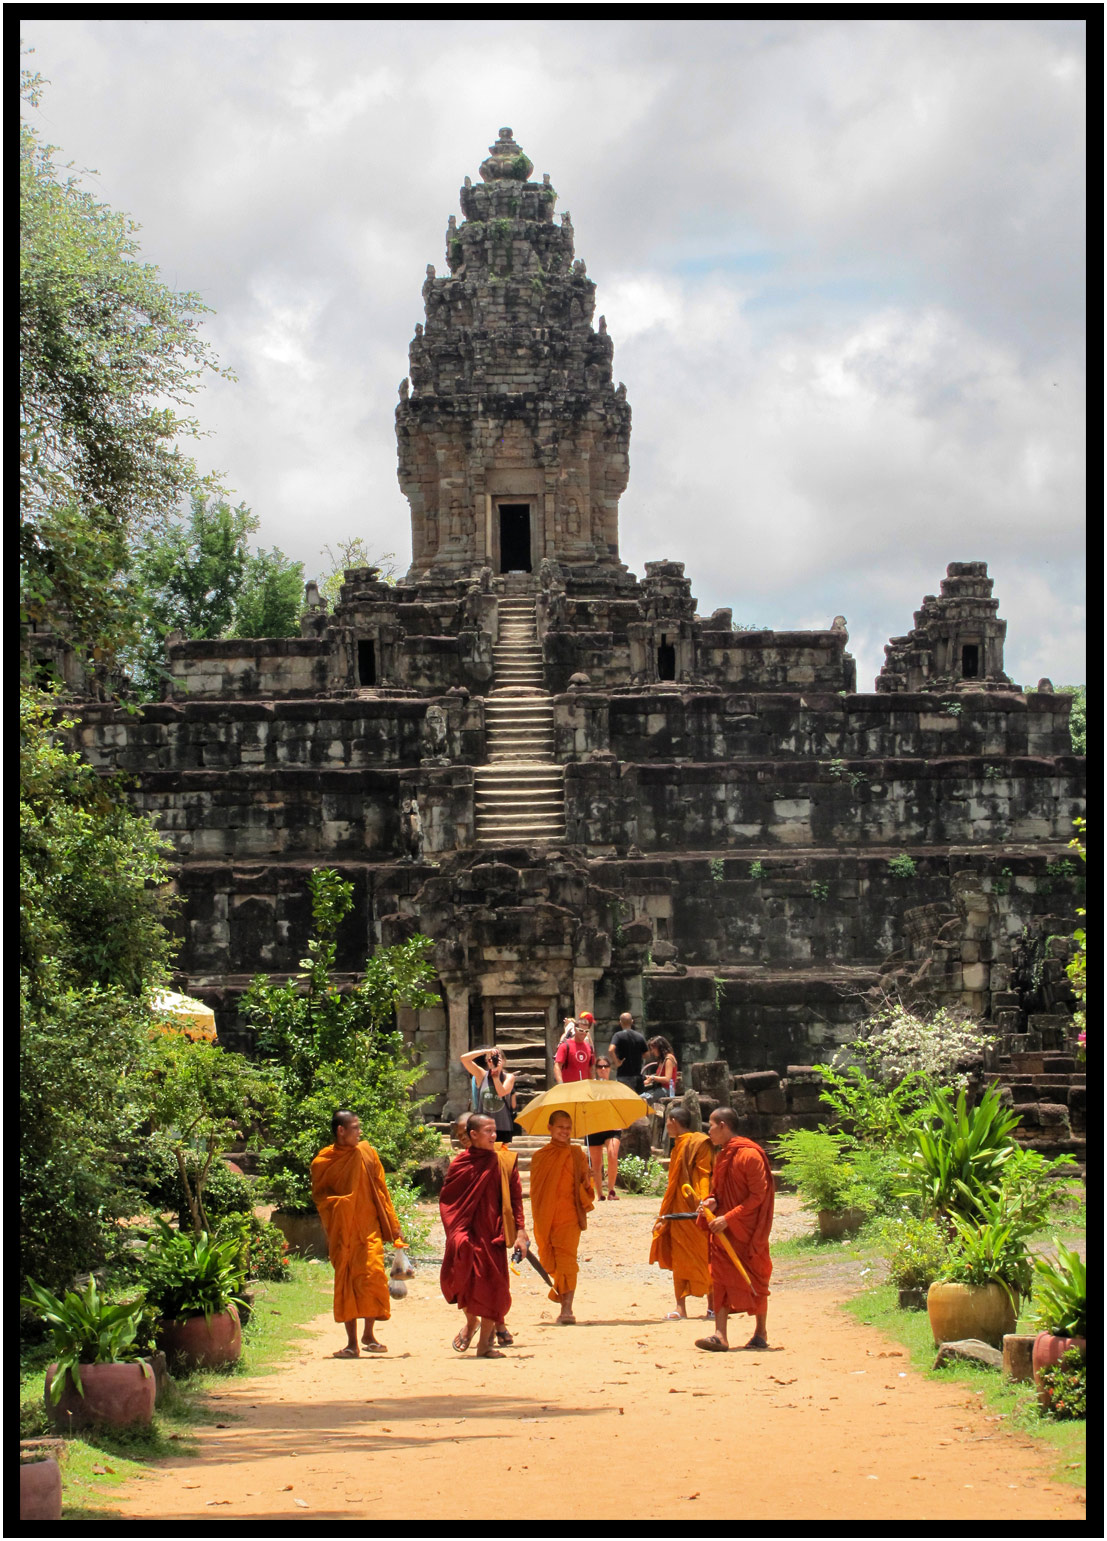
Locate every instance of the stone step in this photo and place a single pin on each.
(501, 823)
(519, 797)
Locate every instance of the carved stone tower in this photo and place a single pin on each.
(512, 438)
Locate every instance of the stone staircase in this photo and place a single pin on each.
(1049, 1091)
(520, 793)
(521, 1037)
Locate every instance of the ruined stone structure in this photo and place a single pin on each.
(587, 795)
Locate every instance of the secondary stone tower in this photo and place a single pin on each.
(512, 438)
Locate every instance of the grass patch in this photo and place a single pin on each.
(1014, 1402)
(98, 1460)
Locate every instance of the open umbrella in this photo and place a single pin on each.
(592, 1105)
(181, 1014)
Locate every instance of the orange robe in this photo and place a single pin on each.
(742, 1184)
(680, 1244)
(347, 1184)
(561, 1194)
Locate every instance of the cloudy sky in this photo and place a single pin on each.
(842, 264)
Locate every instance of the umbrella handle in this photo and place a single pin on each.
(722, 1240)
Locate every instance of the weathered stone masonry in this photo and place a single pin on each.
(730, 803)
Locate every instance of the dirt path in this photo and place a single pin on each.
(833, 1424)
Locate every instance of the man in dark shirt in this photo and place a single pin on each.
(627, 1049)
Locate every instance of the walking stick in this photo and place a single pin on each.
(720, 1237)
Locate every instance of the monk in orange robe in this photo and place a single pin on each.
(681, 1245)
(481, 1205)
(347, 1184)
(739, 1207)
(561, 1194)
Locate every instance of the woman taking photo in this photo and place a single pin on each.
(493, 1090)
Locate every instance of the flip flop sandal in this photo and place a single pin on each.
(674, 1316)
(713, 1345)
(504, 1337)
(375, 1348)
(461, 1342)
(756, 1344)
(601, 1197)
(613, 1195)
(345, 1353)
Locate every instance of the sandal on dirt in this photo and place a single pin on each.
(375, 1348)
(490, 1353)
(756, 1343)
(345, 1353)
(462, 1341)
(714, 1344)
(601, 1197)
(504, 1337)
(674, 1316)
(613, 1194)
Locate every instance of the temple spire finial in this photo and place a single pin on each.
(506, 160)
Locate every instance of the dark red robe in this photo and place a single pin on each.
(474, 1266)
(742, 1184)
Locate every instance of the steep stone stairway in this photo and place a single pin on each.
(520, 792)
(521, 1035)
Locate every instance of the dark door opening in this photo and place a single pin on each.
(366, 663)
(666, 660)
(515, 538)
(970, 661)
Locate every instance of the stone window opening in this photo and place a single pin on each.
(366, 662)
(970, 661)
(666, 659)
(515, 538)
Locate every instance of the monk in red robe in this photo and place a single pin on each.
(506, 1157)
(481, 1205)
(348, 1186)
(739, 1208)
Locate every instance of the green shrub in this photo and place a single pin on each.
(640, 1176)
(87, 1329)
(1066, 1384)
(757, 871)
(874, 1112)
(185, 1274)
(915, 1247)
(262, 1249)
(158, 1177)
(1061, 1294)
(959, 1155)
(895, 1042)
(989, 1250)
(902, 866)
(832, 1171)
(415, 1226)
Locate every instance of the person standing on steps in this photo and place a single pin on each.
(738, 1215)
(627, 1050)
(575, 1059)
(350, 1193)
(479, 1212)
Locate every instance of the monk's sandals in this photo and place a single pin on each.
(714, 1344)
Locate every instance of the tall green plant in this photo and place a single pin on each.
(185, 1274)
(1061, 1292)
(86, 1329)
(960, 1154)
(873, 1111)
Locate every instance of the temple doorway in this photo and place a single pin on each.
(515, 538)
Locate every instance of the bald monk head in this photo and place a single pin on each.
(346, 1128)
(678, 1121)
(561, 1128)
(482, 1131)
(722, 1126)
(461, 1131)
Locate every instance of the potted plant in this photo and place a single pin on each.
(823, 1167)
(1062, 1297)
(194, 1283)
(40, 1487)
(987, 1268)
(916, 1250)
(99, 1375)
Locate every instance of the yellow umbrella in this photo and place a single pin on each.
(182, 1014)
(592, 1105)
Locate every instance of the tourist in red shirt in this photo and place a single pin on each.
(575, 1059)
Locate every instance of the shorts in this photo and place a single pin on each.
(592, 1140)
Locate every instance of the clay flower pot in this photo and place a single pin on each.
(203, 1344)
(1048, 1350)
(982, 1311)
(839, 1222)
(303, 1232)
(40, 1490)
(119, 1394)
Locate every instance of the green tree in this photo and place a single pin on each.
(94, 940)
(1078, 719)
(199, 576)
(108, 353)
(332, 1047)
(351, 553)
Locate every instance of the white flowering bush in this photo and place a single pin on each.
(896, 1043)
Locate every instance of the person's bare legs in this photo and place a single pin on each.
(595, 1156)
(373, 1344)
(566, 1313)
(680, 1300)
(351, 1349)
(760, 1330)
(485, 1349)
(612, 1148)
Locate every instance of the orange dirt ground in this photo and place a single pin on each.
(618, 1418)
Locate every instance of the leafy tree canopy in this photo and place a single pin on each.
(1078, 720)
(108, 353)
(351, 553)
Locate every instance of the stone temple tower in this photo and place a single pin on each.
(512, 438)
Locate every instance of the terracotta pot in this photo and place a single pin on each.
(840, 1222)
(304, 1233)
(40, 1490)
(118, 1394)
(203, 1344)
(1048, 1350)
(982, 1311)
